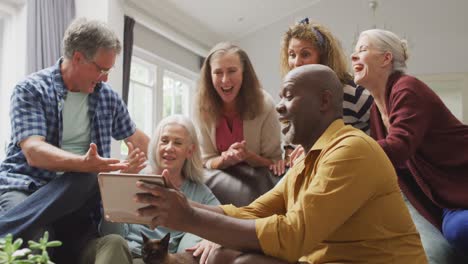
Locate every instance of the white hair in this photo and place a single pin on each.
(193, 166)
(387, 41)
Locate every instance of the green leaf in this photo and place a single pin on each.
(54, 243)
(34, 258)
(18, 243)
(46, 235)
(21, 252)
(23, 261)
(34, 245)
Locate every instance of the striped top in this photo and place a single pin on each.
(357, 102)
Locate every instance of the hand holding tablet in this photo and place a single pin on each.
(117, 193)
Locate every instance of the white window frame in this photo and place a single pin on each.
(153, 87)
(161, 66)
(177, 76)
(12, 60)
(452, 86)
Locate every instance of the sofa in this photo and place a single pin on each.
(241, 184)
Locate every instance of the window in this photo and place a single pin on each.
(12, 60)
(140, 98)
(176, 94)
(1, 45)
(158, 88)
(452, 88)
(3, 116)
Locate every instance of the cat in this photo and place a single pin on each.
(155, 251)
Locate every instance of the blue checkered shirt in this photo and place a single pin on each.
(36, 110)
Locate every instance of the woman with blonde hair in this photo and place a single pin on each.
(237, 119)
(426, 143)
(312, 43)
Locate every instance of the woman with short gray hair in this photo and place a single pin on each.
(173, 148)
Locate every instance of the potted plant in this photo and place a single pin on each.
(12, 253)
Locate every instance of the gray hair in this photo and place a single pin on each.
(384, 41)
(193, 167)
(87, 37)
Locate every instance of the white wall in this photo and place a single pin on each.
(165, 48)
(92, 9)
(437, 31)
(1, 46)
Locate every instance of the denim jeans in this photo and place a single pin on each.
(455, 229)
(25, 215)
(438, 250)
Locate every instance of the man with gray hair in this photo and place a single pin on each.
(62, 121)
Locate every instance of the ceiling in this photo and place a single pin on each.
(211, 21)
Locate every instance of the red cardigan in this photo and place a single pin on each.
(427, 145)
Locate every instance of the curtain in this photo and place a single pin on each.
(129, 23)
(46, 24)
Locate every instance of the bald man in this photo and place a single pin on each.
(339, 203)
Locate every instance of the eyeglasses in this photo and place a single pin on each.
(102, 71)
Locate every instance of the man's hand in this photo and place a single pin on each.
(168, 206)
(136, 159)
(92, 162)
(205, 248)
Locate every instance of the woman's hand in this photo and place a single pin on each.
(204, 248)
(298, 151)
(136, 159)
(279, 167)
(236, 153)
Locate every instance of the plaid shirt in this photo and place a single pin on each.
(36, 110)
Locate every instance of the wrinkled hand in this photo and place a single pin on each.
(136, 159)
(92, 162)
(279, 167)
(167, 205)
(205, 248)
(295, 154)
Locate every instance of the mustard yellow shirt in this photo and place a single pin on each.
(339, 204)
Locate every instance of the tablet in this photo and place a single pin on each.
(117, 194)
